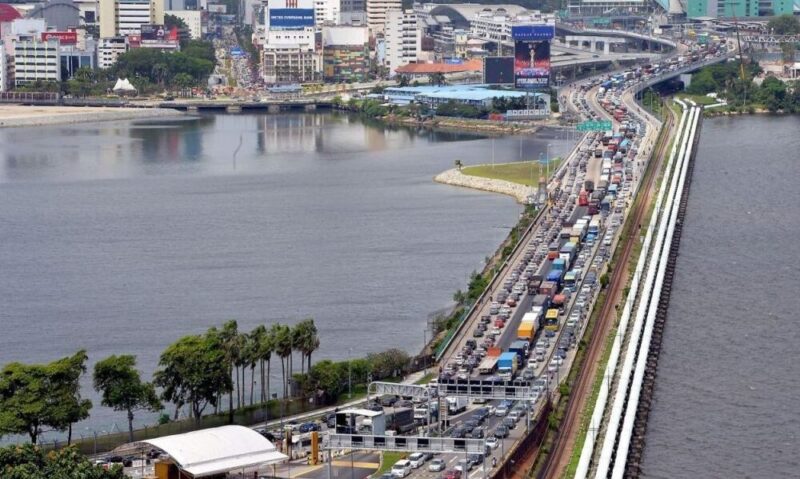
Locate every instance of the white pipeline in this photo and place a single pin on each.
(608, 375)
(641, 363)
(617, 408)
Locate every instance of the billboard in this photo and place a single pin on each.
(64, 38)
(291, 18)
(153, 32)
(217, 8)
(533, 32)
(531, 64)
(498, 70)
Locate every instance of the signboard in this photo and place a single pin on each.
(64, 38)
(531, 64)
(533, 32)
(291, 18)
(453, 61)
(592, 125)
(498, 70)
(153, 32)
(237, 52)
(217, 8)
(527, 114)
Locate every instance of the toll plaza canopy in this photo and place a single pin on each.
(217, 450)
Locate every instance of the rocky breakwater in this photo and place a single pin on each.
(455, 177)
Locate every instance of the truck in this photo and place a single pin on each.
(457, 404)
(527, 328)
(520, 347)
(488, 365)
(507, 365)
(400, 420)
(537, 314)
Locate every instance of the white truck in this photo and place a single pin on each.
(457, 404)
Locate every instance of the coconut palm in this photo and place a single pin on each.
(264, 351)
(283, 340)
(229, 338)
(251, 357)
(306, 340)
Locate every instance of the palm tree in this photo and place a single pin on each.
(240, 344)
(251, 357)
(282, 335)
(307, 339)
(264, 348)
(229, 338)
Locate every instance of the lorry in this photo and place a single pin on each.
(520, 347)
(457, 404)
(488, 365)
(507, 365)
(527, 328)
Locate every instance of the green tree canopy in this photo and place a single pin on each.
(28, 461)
(36, 397)
(784, 25)
(117, 379)
(193, 371)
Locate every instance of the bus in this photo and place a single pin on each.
(551, 319)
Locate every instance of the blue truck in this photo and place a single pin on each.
(507, 365)
(520, 348)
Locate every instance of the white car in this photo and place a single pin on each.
(401, 468)
(416, 460)
(437, 465)
(492, 442)
(501, 411)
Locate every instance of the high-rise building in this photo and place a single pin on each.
(403, 39)
(126, 17)
(36, 60)
(327, 12)
(109, 49)
(345, 53)
(376, 13)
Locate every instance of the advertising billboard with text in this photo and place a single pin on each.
(531, 64)
(498, 70)
(65, 38)
(291, 18)
(153, 32)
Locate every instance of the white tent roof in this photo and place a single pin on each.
(217, 450)
(124, 85)
(362, 412)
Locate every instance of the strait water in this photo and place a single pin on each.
(122, 237)
(726, 397)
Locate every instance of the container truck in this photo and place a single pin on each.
(507, 365)
(457, 404)
(520, 347)
(558, 264)
(541, 301)
(527, 328)
(549, 289)
(488, 365)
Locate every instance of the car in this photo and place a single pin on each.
(477, 433)
(375, 407)
(492, 442)
(308, 427)
(463, 465)
(509, 422)
(516, 414)
(501, 411)
(416, 460)
(437, 465)
(330, 419)
(452, 474)
(501, 431)
(475, 459)
(401, 468)
(528, 374)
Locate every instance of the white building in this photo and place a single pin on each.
(495, 26)
(193, 20)
(403, 39)
(376, 13)
(327, 12)
(109, 49)
(3, 72)
(126, 17)
(290, 56)
(36, 60)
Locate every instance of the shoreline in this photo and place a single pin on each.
(455, 177)
(15, 115)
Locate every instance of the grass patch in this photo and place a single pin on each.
(387, 461)
(426, 378)
(523, 172)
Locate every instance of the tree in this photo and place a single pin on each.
(306, 339)
(183, 81)
(65, 390)
(459, 165)
(35, 397)
(28, 461)
(402, 80)
(266, 346)
(228, 336)
(436, 79)
(122, 388)
(784, 25)
(193, 371)
(282, 335)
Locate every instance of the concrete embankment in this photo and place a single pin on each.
(455, 177)
(22, 116)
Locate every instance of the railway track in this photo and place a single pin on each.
(633, 463)
(559, 456)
